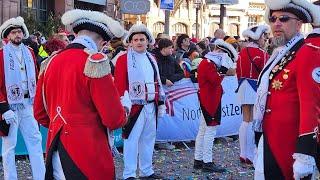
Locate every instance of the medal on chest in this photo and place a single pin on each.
(277, 84)
(285, 76)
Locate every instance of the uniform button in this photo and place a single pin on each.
(269, 93)
(66, 132)
(50, 130)
(268, 110)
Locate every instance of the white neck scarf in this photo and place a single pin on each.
(87, 42)
(220, 59)
(137, 90)
(13, 80)
(262, 92)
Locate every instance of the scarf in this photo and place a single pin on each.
(263, 83)
(13, 79)
(220, 59)
(137, 90)
(87, 42)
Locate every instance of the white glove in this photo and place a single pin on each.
(126, 102)
(10, 117)
(303, 165)
(161, 110)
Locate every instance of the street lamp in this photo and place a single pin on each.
(197, 4)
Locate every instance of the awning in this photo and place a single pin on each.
(99, 2)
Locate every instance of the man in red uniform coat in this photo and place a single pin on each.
(313, 41)
(78, 101)
(288, 102)
(18, 74)
(210, 75)
(249, 65)
(137, 72)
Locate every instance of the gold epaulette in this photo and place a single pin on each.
(44, 63)
(97, 65)
(313, 46)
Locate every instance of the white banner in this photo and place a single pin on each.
(231, 111)
(181, 123)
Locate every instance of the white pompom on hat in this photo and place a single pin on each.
(304, 10)
(139, 29)
(255, 32)
(94, 21)
(11, 24)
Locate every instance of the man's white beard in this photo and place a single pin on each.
(279, 41)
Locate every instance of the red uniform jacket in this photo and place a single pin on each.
(210, 92)
(77, 110)
(122, 84)
(4, 106)
(292, 110)
(251, 62)
(313, 39)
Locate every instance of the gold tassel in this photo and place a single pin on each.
(97, 69)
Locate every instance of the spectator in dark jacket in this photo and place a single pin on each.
(169, 69)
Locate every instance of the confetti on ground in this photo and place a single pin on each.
(177, 163)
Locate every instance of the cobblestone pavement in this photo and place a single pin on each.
(178, 163)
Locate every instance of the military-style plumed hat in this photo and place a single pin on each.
(231, 51)
(11, 24)
(139, 29)
(303, 9)
(255, 32)
(94, 21)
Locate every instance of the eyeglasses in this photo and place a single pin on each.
(283, 18)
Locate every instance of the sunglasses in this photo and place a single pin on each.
(283, 18)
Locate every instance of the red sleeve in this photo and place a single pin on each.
(107, 101)
(39, 111)
(210, 73)
(239, 70)
(308, 85)
(4, 106)
(121, 74)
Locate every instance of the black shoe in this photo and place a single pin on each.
(211, 167)
(197, 164)
(153, 176)
(130, 178)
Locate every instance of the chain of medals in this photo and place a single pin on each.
(285, 60)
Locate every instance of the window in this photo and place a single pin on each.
(36, 8)
(179, 28)
(194, 29)
(184, 4)
(233, 29)
(252, 21)
(158, 27)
